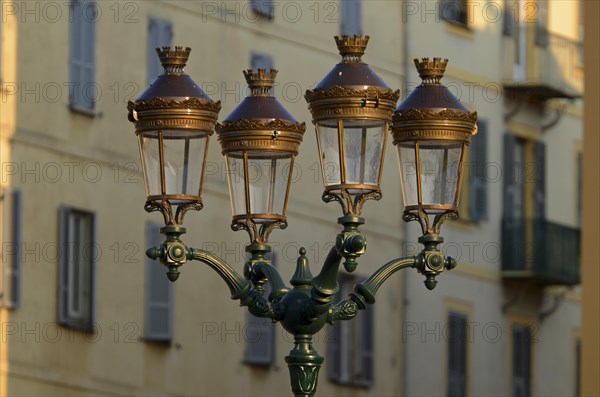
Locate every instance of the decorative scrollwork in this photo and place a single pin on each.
(258, 234)
(170, 217)
(351, 204)
(248, 124)
(160, 103)
(423, 219)
(164, 207)
(338, 91)
(344, 310)
(424, 114)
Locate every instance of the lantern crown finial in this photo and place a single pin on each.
(431, 72)
(173, 60)
(351, 48)
(260, 81)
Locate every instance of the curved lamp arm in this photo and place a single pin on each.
(278, 287)
(325, 284)
(364, 293)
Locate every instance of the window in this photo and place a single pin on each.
(82, 93)
(454, 11)
(265, 8)
(351, 344)
(524, 177)
(160, 34)
(261, 61)
(521, 360)
(351, 17)
(580, 32)
(10, 248)
(457, 354)
(260, 336)
(474, 192)
(76, 268)
(158, 302)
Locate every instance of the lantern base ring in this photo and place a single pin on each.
(258, 232)
(164, 204)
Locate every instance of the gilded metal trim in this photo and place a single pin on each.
(422, 217)
(258, 234)
(351, 204)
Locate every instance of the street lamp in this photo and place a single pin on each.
(352, 109)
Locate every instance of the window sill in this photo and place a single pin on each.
(83, 111)
(459, 29)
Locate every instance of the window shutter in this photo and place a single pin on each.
(82, 55)
(334, 339)
(351, 17)
(540, 180)
(457, 354)
(509, 18)
(266, 8)
(478, 210)
(94, 257)
(261, 61)
(10, 289)
(63, 219)
(159, 294)
(521, 361)
(160, 34)
(509, 175)
(541, 26)
(366, 374)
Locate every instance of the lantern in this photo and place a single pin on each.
(431, 131)
(351, 109)
(174, 119)
(260, 141)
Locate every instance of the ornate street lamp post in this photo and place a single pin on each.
(352, 109)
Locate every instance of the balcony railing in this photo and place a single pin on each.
(542, 251)
(553, 68)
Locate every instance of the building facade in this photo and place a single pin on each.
(83, 311)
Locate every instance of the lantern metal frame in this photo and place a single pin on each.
(308, 305)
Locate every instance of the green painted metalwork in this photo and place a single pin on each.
(304, 308)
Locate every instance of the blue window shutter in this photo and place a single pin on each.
(509, 175)
(508, 18)
(540, 180)
(94, 257)
(265, 8)
(366, 374)
(478, 210)
(457, 354)
(63, 219)
(158, 321)
(351, 17)
(261, 61)
(11, 249)
(82, 60)
(160, 34)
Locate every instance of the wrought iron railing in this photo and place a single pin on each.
(545, 251)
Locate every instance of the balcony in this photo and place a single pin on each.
(540, 251)
(552, 67)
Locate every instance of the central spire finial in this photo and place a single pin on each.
(351, 48)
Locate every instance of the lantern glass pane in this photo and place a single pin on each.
(268, 178)
(149, 152)
(235, 178)
(408, 172)
(327, 136)
(440, 163)
(183, 161)
(363, 150)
